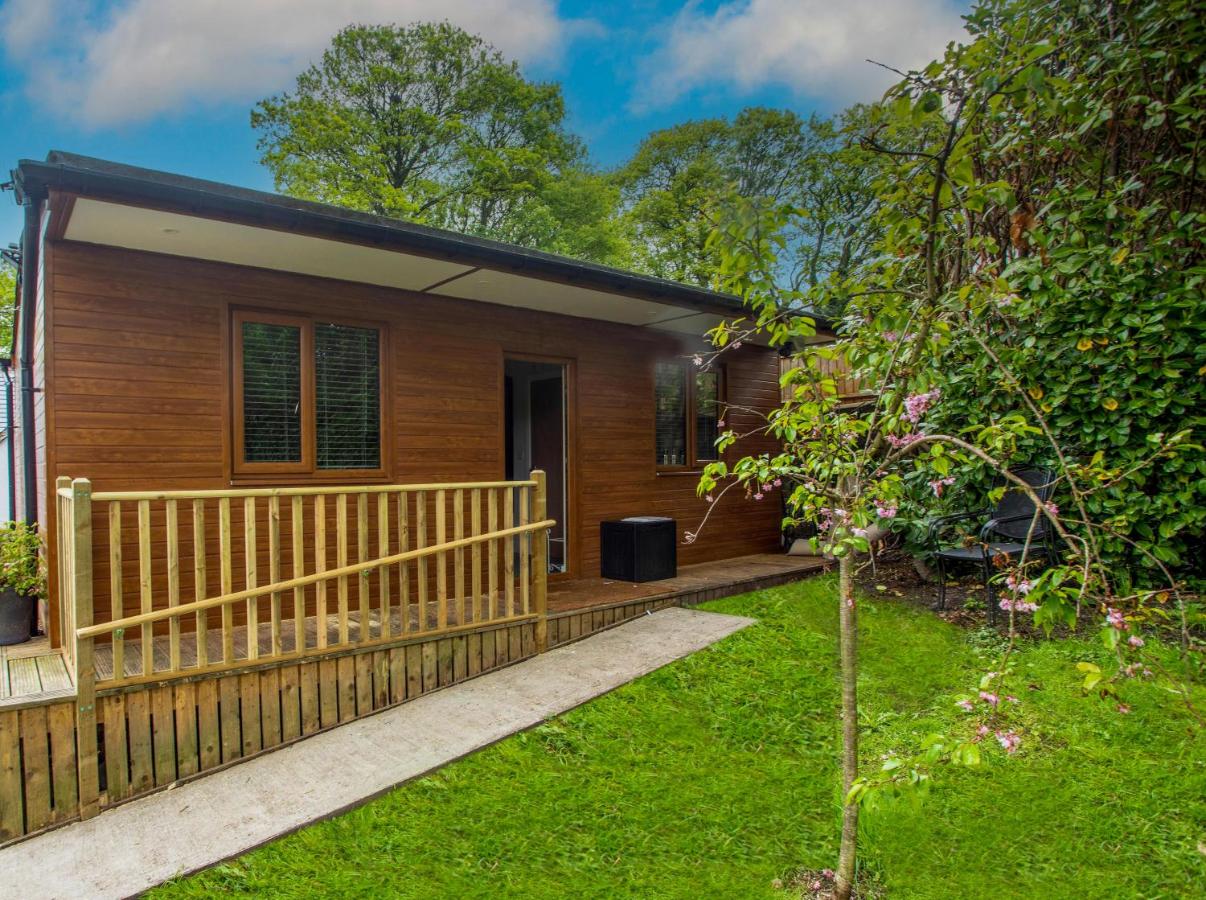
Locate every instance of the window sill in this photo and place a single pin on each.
(290, 480)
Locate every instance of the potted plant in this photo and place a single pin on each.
(22, 580)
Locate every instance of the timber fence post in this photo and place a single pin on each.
(540, 562)
(85, 671)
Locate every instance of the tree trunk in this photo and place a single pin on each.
(848, 640)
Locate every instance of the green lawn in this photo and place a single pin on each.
(717, 775)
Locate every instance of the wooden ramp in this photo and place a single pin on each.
(33, 672)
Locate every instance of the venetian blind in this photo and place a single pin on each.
(707, 415)
(347, 369)
(671, 424)
(271, 393)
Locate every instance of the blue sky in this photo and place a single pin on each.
(169, 83)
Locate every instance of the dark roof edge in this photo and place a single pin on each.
(88, 176)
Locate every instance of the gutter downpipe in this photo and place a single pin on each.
(25, 322)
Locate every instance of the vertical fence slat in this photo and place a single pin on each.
(274, 571)
(320, 565)
(199, 586)
(298, 547)
(386, 628)
(441, 562)
(421, 566)
(173, 571)
(458, 555)
(475, 555)
(341, 560)
(144, 584)
(509, 548)
(524, 542)
(116, 610)
(404, 568)
(492, 577)
(362, 578)
(250, 552)
(226, 569)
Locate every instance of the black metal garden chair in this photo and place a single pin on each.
(1004, 534)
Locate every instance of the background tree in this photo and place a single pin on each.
(8, 301)
(431, 124)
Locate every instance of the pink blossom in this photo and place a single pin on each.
(736, 345)
(1115, 619)
(884, 511)
(1018, 605)
(710, 498)
(778, 482)
(1051, 508)
(766, 488)
(758, 496)
(720, 423)
(1012, 699)
(982, 731)
(917, 404)
(1123, 708)
(903, 441)
(827, 874)
(860, 532)
(697, 359)
(1018, 585)
(990, 698)
(1009, 740)
(966, 704)
(1135, 641)
(938, 484)
(891, 337)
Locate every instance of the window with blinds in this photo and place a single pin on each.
(271, 393)
(347, 397)
(671, 426)
(307, 395)
(689, 410)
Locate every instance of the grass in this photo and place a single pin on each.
(718, 774)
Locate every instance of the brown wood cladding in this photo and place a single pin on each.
(139, 391)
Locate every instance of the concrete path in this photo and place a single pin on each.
(140, 844)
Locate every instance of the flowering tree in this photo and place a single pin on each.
(964, 252)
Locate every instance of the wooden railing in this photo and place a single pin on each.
(345, 567)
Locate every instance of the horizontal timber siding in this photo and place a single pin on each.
(139, 396)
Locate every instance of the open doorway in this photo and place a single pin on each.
(536, 438)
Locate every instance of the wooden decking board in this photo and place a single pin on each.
(33, 672)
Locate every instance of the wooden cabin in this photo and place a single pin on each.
(225, 396)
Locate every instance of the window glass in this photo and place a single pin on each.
(671, 402)
(271, 393)
(347, 388)
(707, 415)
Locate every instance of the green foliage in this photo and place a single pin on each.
(431, 124)
(8, 305)
(679, 182)
(21, 568)
(717, 775)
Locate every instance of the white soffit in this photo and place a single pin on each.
(137, 228)
(509, 289)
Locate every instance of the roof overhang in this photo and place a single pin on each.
(140, 209)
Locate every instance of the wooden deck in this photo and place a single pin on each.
(717, 579)
(33, 672)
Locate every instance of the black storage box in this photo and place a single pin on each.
(640, 548)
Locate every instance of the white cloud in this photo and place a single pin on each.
(142, 58)
(814, 47)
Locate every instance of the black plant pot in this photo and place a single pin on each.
(16, 613)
